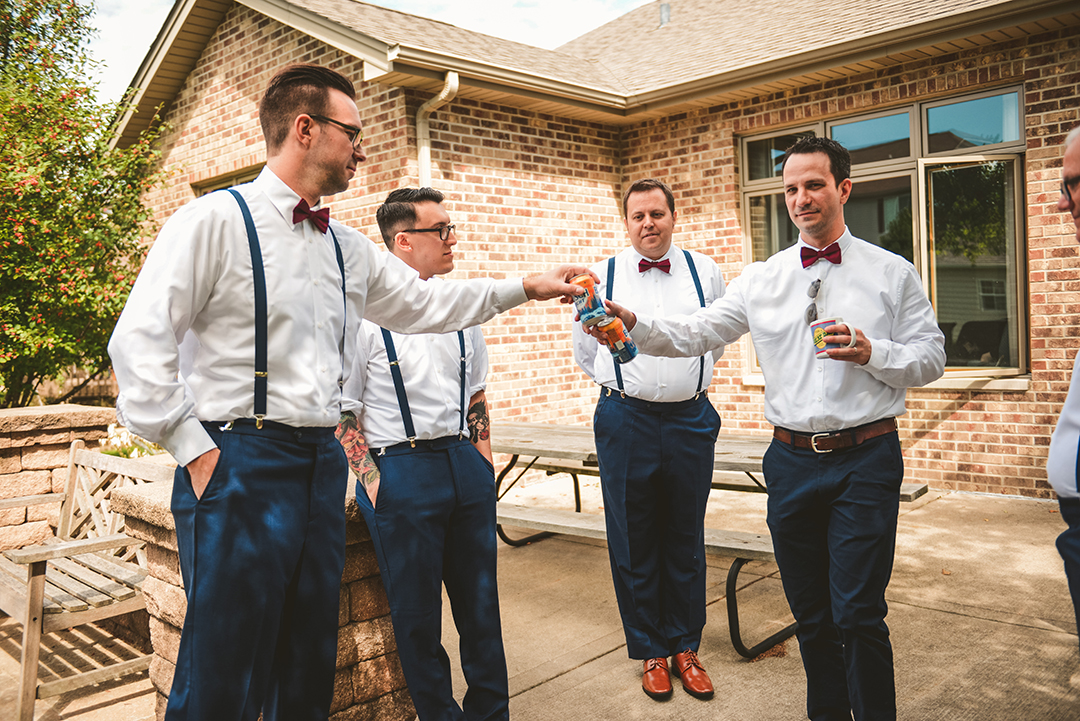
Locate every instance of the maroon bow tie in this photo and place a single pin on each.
(643, 265)
(811, 256)
(303, 211)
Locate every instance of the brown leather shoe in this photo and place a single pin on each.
(688, 668)
(656, 681)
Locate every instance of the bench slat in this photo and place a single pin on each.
(591, 525)
(75, 587)
(93, 580)
(129, 574)
(56, 600)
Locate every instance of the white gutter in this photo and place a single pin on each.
(423, 125)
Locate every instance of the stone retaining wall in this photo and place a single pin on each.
(369, 685)
(34, 445)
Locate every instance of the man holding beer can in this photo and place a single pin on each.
(655, 439)
(834, 467)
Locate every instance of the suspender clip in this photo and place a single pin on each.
(227, 426)
(393, 363)
(608, 392)
(259, 421)
(261, 374)
(622, 394)
(412, 442)
(381, 452)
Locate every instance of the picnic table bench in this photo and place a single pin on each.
(554, 448)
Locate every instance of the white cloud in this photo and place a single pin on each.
(128, 27)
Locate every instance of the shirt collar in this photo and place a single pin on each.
(844, 240)
(669, 255)
(280, 195)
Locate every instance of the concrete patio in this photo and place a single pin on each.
(980, 616)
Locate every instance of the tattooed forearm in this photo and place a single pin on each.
(479, 422)
(356, 450)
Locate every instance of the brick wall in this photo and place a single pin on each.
(530, 190)
(34, 446)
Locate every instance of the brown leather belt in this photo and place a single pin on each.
(831, 441)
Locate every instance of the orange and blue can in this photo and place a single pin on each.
(619, 342)
(589, 306)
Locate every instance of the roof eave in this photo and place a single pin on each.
(849, 53)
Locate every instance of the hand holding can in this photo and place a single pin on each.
(589, 306)
(619, 342)
(817, 331)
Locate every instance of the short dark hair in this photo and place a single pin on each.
(644, 186)
(294, 90)
(839, 158)
(399, 210)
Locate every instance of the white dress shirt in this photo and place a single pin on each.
(1061, 464)
(197, 289)
(430, 367)
(657, 293)
(876, 291)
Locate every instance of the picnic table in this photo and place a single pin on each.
(555, 448)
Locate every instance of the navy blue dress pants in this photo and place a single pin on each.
(261, 555)
(656, 466)
(1068, 545)
(833, 522)
(434, 523)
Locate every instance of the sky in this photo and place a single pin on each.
(126, 28)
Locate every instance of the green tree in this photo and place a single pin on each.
(71, 215)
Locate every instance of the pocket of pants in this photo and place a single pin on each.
(213, 481)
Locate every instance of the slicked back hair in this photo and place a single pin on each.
(297, 89)
(644, 186)
(398, 211)
(839, 158)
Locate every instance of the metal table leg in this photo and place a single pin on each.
(733, 618)
(498, 484)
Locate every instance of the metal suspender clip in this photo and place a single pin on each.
(259, 421)
(412, 442)
(227, 426)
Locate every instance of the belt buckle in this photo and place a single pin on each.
(813, 443)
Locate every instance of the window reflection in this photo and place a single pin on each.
(973, 123)
(765, 156)
(876, 139)
(770, 226)
(973, 241)
(879, 211)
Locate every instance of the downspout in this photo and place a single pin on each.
(423, 127)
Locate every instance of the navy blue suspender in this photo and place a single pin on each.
(261, 374)
(399, 386)
(701, 300)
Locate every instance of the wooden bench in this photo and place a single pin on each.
(92, 571)
(745, 547)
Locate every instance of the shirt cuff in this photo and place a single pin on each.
(878, 357)
(188, 441)
(641, 328)
(509, 293)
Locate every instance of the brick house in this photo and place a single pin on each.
(955, 114)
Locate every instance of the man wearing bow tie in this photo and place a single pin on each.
(231, 353)
(655, 440)
(834, 467)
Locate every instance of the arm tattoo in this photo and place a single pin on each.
(479, 422)
(356, 449)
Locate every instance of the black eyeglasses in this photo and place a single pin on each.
(1065, 188)
(811, 310)
(444, 231)
(356, 135)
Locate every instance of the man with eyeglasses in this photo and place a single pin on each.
(231, 352)
(834, 467)
(1063, 463)
(415, 428)
(656, 441)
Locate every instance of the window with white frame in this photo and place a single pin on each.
(941, 184)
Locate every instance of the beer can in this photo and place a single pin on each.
(620, 343)
(589, 306)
